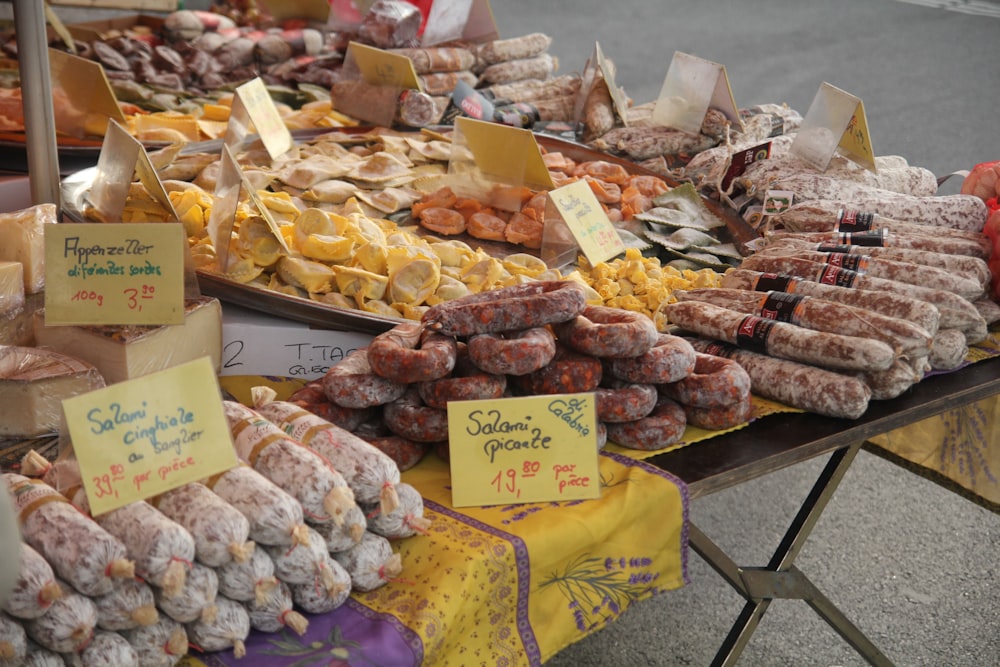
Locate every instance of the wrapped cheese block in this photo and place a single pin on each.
(33, 385)
(126, 352)
(11, 287)
(22, 239)
(79, 550)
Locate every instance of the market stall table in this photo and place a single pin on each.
(770, 444)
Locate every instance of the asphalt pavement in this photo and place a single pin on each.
(915, 566)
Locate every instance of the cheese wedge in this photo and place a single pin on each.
(11, 288)
(33, 384)
(126, 352)
(18, 327)
(22, 239)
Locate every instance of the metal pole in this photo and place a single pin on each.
(36, 98)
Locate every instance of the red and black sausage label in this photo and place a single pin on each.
(773, 282)
(834, 275)
(845, 260)
(781, 307)
(753, 332)
(855, 221)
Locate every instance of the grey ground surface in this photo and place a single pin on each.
(914, 565)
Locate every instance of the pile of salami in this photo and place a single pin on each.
(207, 562)
(535, 338)
(875, 256)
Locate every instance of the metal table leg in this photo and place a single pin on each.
(780, 578)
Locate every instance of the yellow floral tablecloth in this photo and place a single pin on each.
(960, 447)
(504, 585)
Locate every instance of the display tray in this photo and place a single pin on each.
(75, 187)
(74, 154)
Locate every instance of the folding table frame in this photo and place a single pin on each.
(779, 441)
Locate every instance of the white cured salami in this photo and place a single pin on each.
(252, 579)
(39, 656)
(370, 473)
(104, 650)
(309, 564)
(36, 587)
(220, 531)
(79, 550)
(162, 644)
(13, 642)
(275, 516)
(275, 612)
(67, 626)
(405, 521)
(129, 605)
(229, 628)
(372, 563)
(313, 481)
(195, 600)
(318, 600)
(162, 549)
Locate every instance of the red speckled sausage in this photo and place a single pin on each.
(509, 308)
(720, 417)
(410, 353)
(352, 383)
(619, 401)
(408, 417)
(670, 359)
(714, 382)
(602, 331)
(569, 372)
(662, 427)
(513, 352)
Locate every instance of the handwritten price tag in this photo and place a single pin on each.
(588, 226)
(525, 449)
(140, 438)
(129, 273)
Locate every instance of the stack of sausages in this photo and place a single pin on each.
(530, 339)
(208, 561)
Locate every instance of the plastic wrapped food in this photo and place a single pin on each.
(252, 579)
(129, 605)
(370, 473)
(195, 600)
(36, 587)
(80, 551)
(275, 612)
(275, 516)
(13, 642)
(228, 629)
(370, 564)
(68, 624)
(220, 531)
(162, 644)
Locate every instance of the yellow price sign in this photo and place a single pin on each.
(140, 438)
(523, 449)
(508, 154)
(587, 221)
(381, 68)
(253, 104)
(128, 273)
